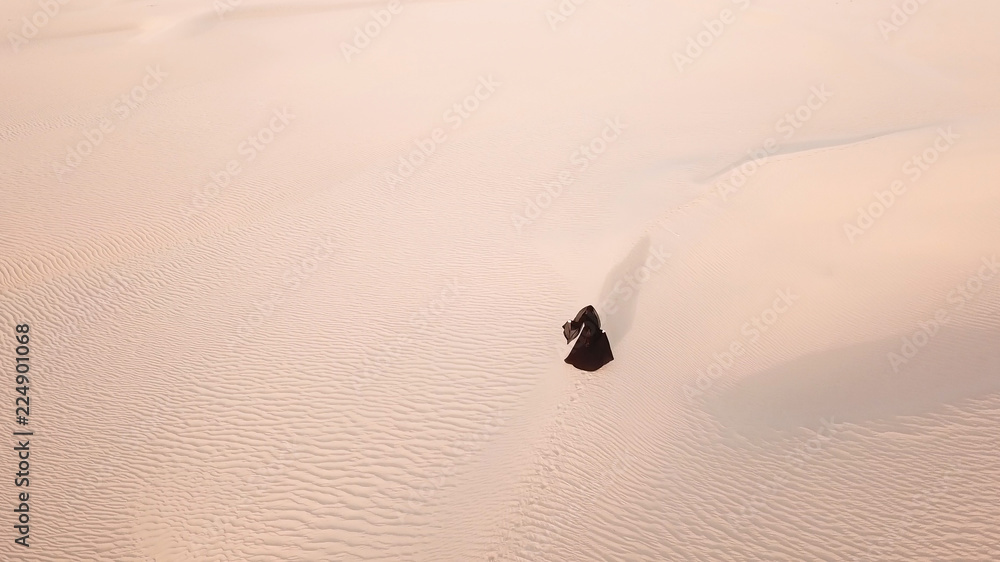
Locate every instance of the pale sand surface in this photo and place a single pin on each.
(234, 376)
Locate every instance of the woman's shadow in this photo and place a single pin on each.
(619, 295)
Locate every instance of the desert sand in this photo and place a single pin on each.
(295, 275)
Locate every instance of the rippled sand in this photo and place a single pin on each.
(258, 334)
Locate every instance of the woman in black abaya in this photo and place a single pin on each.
(592, 350)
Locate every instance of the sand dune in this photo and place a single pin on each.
(295, 274)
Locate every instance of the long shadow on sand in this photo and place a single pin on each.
(617, 320)
(857, 383)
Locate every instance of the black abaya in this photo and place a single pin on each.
(592, 350)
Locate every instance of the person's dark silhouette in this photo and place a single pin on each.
(592, 350)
